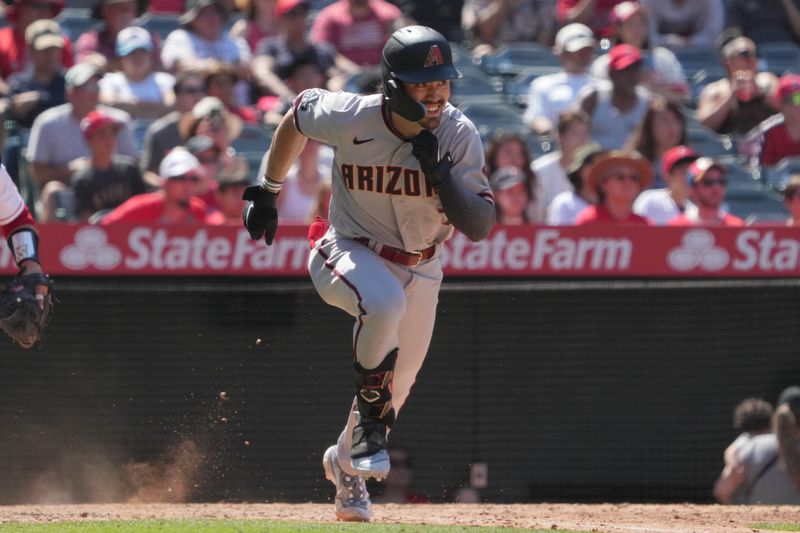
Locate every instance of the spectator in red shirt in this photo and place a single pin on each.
(174, 203)
(618, 177)
(13, 48)
(707, 179)
(357, 29)
(780, 134)
(594, 13)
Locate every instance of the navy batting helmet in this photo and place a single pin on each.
(414, 54)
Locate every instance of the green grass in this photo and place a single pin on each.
(241, 526)
(778, 527)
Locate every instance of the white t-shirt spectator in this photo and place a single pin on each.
(182, 45)
(657, 205)
(551, 94)
(151, 89)
(551, 176)
(564, 209)
(699, 21)
(56, 137)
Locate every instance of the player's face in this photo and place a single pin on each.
(434, 95)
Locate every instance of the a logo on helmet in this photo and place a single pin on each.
(434, 57)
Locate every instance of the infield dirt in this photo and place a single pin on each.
(611, 518)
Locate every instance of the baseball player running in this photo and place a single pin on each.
(26, 303)
(408, 168)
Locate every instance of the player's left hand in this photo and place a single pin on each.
(425, 147)
(25, 307)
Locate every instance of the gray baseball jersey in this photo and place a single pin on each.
(378, 189)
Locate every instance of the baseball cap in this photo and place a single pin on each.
(700, 167)
(178, 162)
(675, 155)
(133, 38)
(582, 154)
(95, 120)
(788, 86)
(623, 56)
(574, 37)
(624, 11)
(43, 34)
(285, 6)
(506, 177)
(790, 395)
(81, 73)
(193, 8)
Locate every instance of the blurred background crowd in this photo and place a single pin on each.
(591, 111)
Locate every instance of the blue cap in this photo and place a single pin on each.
(131, 39)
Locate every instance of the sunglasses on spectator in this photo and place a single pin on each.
(194, 178)
(710, 182)
(297, 12)
(623, 176)
(192, 89)
(745, 53)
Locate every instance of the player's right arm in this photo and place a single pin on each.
(260, 216)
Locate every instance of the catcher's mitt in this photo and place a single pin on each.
(23, 313)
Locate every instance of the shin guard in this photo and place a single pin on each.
(374, 402)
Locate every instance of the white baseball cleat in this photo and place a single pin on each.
(375, 465)
(352, 503)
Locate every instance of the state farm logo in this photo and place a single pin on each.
(91, 248)
(698, 250)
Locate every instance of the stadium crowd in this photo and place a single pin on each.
(600, 111)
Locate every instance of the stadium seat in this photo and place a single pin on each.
(539, 145)
(740, 176)
(709, 143)
(138, 129)
(511, 59)
(254, 138)
(159, 23)
(696, 58)
(701, 78)
(489, 118)
(778, 175)
(75, 21)
(475, 86)
(516, 89)
(780, 57)
(755, 205)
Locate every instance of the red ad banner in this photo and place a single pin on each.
(762, 251)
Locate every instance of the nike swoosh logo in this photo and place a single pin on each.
(357, 141)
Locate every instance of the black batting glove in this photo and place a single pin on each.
(260, 216)
(425, 147)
